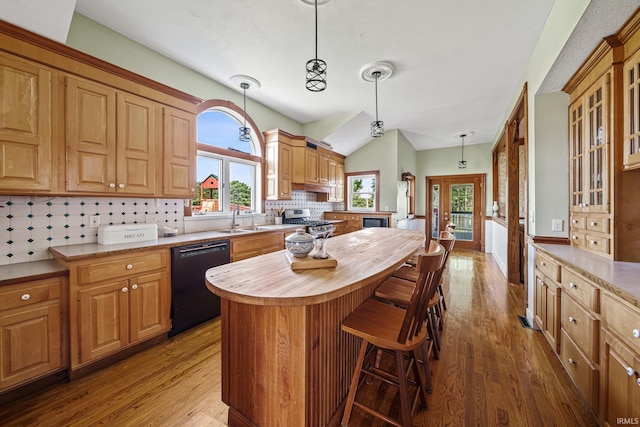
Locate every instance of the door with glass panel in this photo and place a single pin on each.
(458, 199)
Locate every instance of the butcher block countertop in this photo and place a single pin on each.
(363, 256)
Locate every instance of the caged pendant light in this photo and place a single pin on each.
(246, 83)
(374, 72)
(316, 68)
(462, 163)
(245, 133)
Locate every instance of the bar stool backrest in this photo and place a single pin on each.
(429, 267)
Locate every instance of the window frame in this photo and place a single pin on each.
(354, 175)
(227, 156)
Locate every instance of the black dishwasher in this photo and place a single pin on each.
(191, 301)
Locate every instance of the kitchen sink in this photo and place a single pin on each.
(234, 231)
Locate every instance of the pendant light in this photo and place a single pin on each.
(374, 72)
(377, 126)
(245, 133)
(246, 83)
(316, 68)
(462, 163)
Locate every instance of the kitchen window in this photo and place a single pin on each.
(227, 169)
(362, 191)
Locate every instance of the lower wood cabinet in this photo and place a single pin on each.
(31, 322)
(547, 309)
(257, 244)
(116, 302)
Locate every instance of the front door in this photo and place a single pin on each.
(458, 199)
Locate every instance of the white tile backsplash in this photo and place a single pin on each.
(30, 225)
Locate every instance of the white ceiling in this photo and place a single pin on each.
(457, 62)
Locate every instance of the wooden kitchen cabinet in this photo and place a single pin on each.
(336, 178)
(352, 221)
(112, 140)
(547, 303)
(316, 164)
(116, 302)
(31, 337)
(278, 171)
(620, 368)
(243, 247)
(27, 154)
(179, 142)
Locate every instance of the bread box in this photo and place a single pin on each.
(126, 233)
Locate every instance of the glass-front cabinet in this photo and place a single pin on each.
(631, 154)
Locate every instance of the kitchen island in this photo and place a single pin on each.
(285, 360)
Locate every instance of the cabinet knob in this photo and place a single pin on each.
(571, 361)
(593, 223)
(125, 289)
(572, 285)
(636, 333)
(543, 263)
(129, 266)
(120, 185)
(112, 185)
(134, 286)
(630, 371)
(572, 320)
(25, 297)
(192, 189)
(593, 242)
(575, 221)
(575, 237)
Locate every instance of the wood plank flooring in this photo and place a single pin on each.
(491, 372)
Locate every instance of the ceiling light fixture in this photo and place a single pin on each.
(462, 164)
(316, 68)
(250, 84)
(373, 73)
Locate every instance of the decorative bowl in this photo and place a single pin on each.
(299, 243)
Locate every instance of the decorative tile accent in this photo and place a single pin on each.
(30, 225)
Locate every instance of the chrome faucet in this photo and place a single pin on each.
(236, 211)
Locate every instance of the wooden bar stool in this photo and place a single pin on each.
(401, 331)
(398, 288)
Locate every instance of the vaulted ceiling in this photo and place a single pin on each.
(457, 64)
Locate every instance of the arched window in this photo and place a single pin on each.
(228, 170)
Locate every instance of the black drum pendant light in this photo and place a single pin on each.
(316, 68)
(245, 133)
(377, 126)
(462, 163)
(374, 72)
(246, 83)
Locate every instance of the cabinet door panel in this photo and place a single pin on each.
(90, 136)
(103, 319)
(25, 125)
(137, 144)
(621, 391)
(179, 153)
(29, 344)
(149, 306)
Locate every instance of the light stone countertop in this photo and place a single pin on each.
(17, 273)
(618, 277)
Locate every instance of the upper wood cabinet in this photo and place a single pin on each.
(278, 171)
(179, 153)
(631, 158)
(26, 152)
(112, 140)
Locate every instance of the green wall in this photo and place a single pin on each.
(90, 37)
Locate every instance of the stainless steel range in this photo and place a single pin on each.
(303, 217)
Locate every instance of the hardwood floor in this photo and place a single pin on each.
(491, 372)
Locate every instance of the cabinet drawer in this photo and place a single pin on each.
(598, 224)
(623, 320)
(581, 370)
(257, 243)
(578, 222)
(330, 215)
(578, 239)
(597, 243)
(25, 294)
(581, 289)
(548, 266)
(581, 326)
(121, 266)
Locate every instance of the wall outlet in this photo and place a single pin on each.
(557, 225)
(151, 219)
(94, 221)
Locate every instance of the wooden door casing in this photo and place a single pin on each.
(445, 182)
